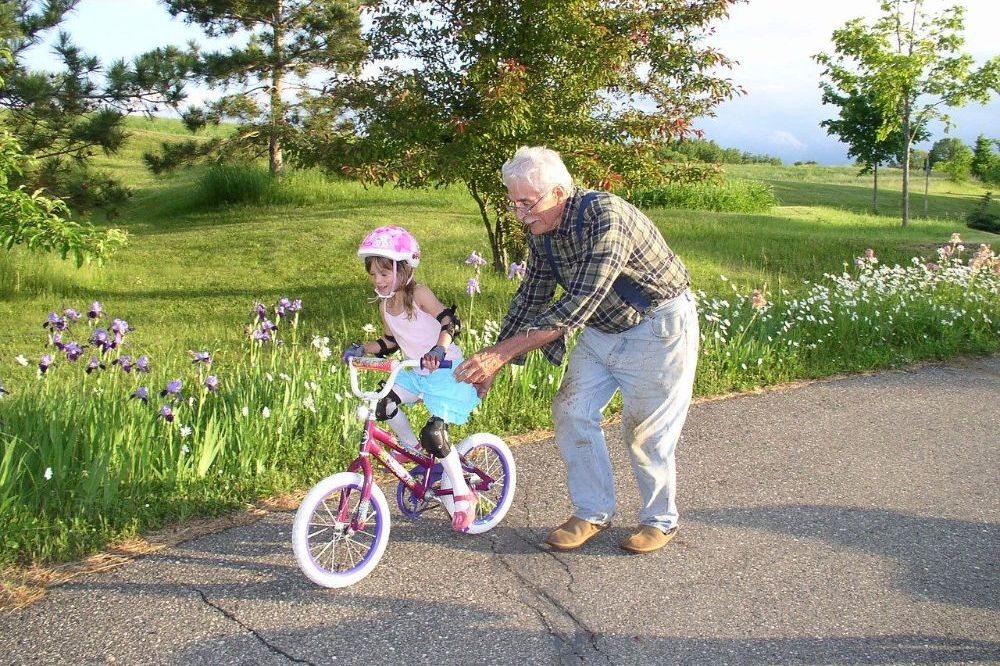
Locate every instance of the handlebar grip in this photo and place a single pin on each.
(443, 364)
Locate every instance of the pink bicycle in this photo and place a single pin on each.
(341, 528)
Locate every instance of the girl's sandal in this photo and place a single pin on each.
(463, 518)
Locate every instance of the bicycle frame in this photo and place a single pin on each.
(373, 437)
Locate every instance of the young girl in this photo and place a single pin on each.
(419, 325)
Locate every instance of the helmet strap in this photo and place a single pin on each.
(392, 293)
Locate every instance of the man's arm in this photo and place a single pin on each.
(480, 369)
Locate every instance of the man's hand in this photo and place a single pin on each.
(482, 388)
(480, 368)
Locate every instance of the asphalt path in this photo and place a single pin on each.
(849, 521)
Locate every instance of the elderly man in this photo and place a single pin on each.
(629, 293)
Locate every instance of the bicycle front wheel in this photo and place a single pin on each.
(328, 549)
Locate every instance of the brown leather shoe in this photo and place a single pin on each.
(574, 533)
(647, 538)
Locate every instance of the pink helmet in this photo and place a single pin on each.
(393, 242)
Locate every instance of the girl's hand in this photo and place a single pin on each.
(356, 350)
(432, 359)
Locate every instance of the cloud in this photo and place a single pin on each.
(786, 139)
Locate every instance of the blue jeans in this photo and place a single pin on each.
(653, 364)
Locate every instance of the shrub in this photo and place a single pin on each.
(981, 218)
(733, 196)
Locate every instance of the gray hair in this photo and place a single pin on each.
(539, 166)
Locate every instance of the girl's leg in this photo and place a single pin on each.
(398, 421)
(434, 438)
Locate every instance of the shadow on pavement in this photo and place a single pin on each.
(953, 561)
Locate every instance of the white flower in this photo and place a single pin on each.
(308, 403)
(185, 431)
(266, 413)
(270, 377)
(21, 360)
(245, 411)
(319, 342)
(284, 377)
(185, 449)
(368, 329)
(48, 473)
(325, 353)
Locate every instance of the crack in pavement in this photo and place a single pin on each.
(250, 629)
(584, 635)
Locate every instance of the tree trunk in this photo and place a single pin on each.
(495, 234)
(277, 160)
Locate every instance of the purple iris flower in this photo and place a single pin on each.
(125, 362)
(120, 326)
(102, 340)
(296, 305)
(95, 310)
(472, 287)
(259, 311)
(282, 305)
(515, 270)
(167, 413)
(141, 393)
(44, 363)
(476, 259)
(201, 357)
(173, 388)
(73, 351)
(71, 314)
(57, 341)
(55, 322)
(94, 364)
(262, 334)
(142, 364)
(212, 383)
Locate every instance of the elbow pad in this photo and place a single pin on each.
(386, 345)
(450, 322)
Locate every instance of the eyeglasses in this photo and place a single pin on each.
(524, 210)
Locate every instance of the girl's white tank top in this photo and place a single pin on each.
(416, 336)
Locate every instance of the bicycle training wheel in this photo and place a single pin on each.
(326, 549)
(490, 454)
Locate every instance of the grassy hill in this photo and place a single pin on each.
(193, 268)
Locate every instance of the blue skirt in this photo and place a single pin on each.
(443, 395)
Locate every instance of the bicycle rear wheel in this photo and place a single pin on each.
(490, 454)
(327, 549)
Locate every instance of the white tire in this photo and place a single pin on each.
(326, 551)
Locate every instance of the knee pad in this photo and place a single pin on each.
(434, 437)
(387, 407)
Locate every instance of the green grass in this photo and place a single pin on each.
(195, 267)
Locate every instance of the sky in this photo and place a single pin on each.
(772, 40)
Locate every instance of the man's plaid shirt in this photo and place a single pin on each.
(616, 238)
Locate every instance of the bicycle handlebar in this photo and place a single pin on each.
(374, 364)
